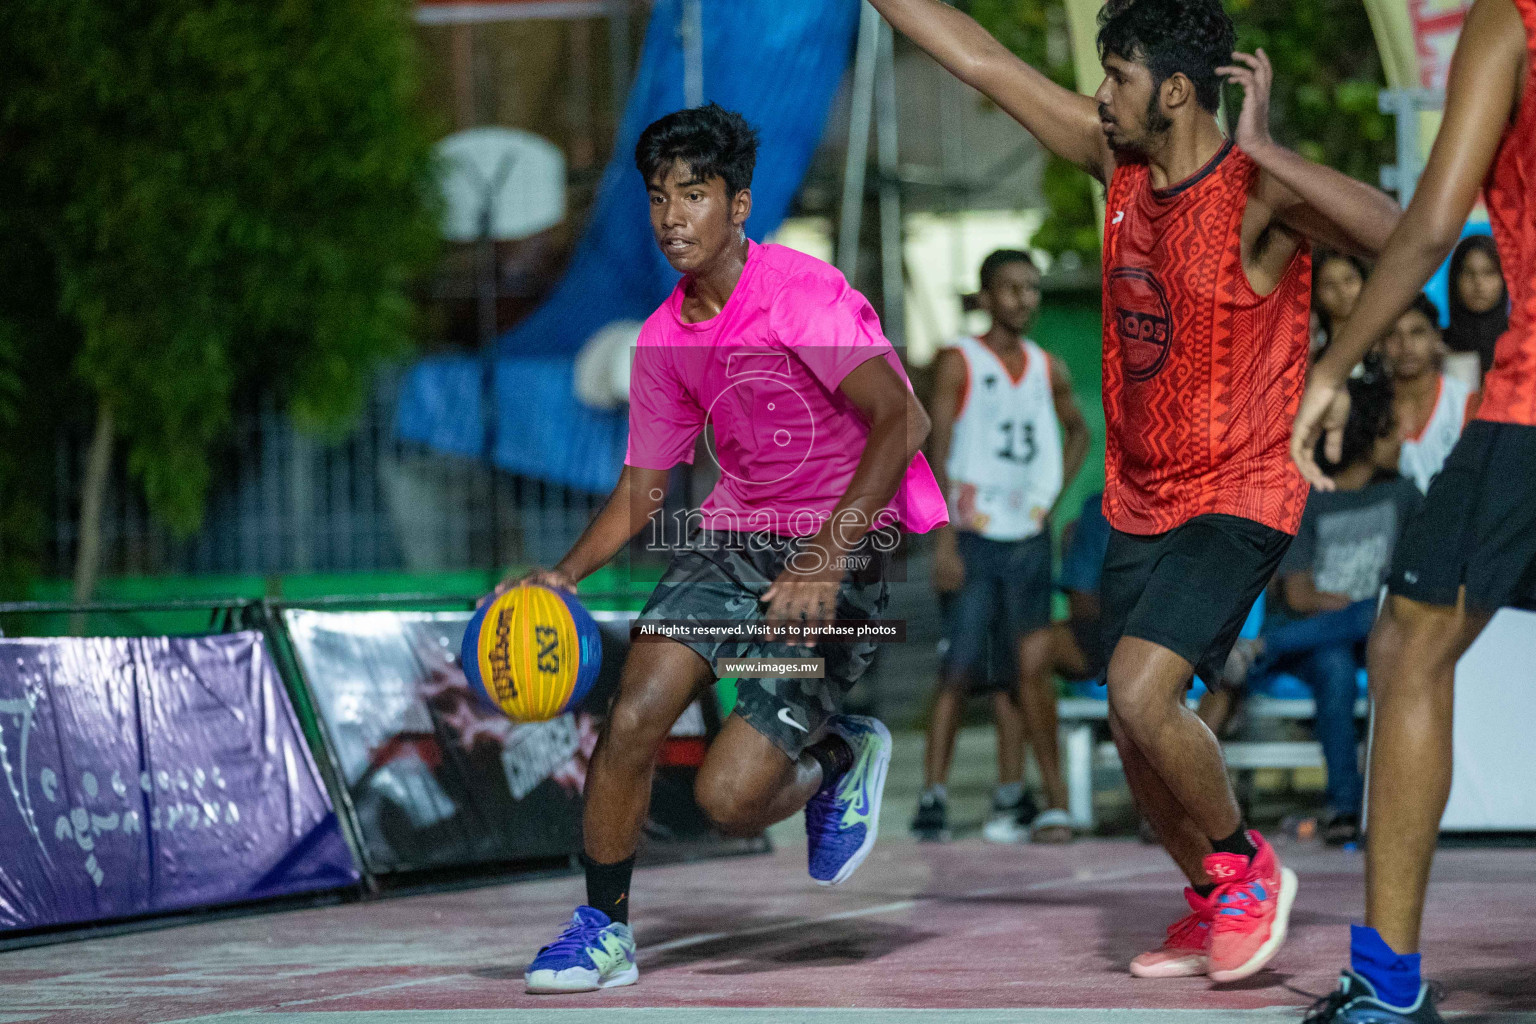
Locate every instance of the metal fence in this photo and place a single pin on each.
(283, 501)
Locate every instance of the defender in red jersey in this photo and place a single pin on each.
(1206, 276)
(1471, 549)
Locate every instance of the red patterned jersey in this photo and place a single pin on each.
(1202, 375)
(1509, 390)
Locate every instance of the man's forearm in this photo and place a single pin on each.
(881, 468)
(1417, 249)
(623, 516)
(1363, 215)
(1065, 122)
(1074, 454)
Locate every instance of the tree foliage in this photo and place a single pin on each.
(225, 196)
(1327, 75)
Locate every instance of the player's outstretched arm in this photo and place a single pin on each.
(1309, 198)
(1484, 90)
(635, 499)
(1065, 122)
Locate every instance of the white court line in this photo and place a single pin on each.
(795, 1015)
(377, 988)
(1085, 878)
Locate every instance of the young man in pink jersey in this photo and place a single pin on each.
(818, 439)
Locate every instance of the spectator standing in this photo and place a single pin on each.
(1007, 438)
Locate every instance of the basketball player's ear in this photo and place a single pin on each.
(1177, 91)
(741, 208)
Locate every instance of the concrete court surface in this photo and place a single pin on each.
(923, 934)
(963, 932)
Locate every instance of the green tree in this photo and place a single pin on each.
(229, 196)
(1327, 75)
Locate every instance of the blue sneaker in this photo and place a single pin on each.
(592, 953)
(1355, 1002)
(841, 822)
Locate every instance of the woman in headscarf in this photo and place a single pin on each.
(1479, 299)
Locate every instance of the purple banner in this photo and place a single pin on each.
(154, 773)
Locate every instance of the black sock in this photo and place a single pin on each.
(1204, 891)
(835, 757)
(608, 887)
(1238, 842)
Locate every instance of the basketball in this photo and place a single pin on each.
(532, 653)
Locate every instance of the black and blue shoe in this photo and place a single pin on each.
(842, 821)
(1355, 1002)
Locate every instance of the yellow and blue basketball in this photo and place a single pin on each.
(533, 653)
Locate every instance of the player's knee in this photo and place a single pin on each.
(633, 731)
(1410, 650)
(1132, 698)
(723, 805)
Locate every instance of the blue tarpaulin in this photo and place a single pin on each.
(779, 65)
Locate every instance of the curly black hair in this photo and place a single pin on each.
(712, 141)
(1371, 418)
(1194, 37)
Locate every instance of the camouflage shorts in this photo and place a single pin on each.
(720, 576)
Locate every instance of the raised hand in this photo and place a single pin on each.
(1323, 413)
(1252, 71)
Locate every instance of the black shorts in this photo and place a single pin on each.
(1190, 589)
(720, 576)
(1477, 526)
(1006, 596)
(1088, 634)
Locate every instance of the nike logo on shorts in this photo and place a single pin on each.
(784, 716)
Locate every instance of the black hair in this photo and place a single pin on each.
(712, 141)
(1000, 259)
(1194, 37)
(1472, 243)
(1424, 304)
(1371, 418)
(1320, 259)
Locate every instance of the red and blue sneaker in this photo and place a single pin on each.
(1186, 950)
(842, 820)
(1253, 901)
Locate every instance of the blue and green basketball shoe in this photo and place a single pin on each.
(842, 820)
(1355, 1002)
(592, 953)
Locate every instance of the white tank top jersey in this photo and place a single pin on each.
(1005, 460)
(1423, 455)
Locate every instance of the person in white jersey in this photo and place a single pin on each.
(1431, 405)
(1007, 438)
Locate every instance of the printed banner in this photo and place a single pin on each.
(1436, 28)
(436, 778)
(150, 774)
